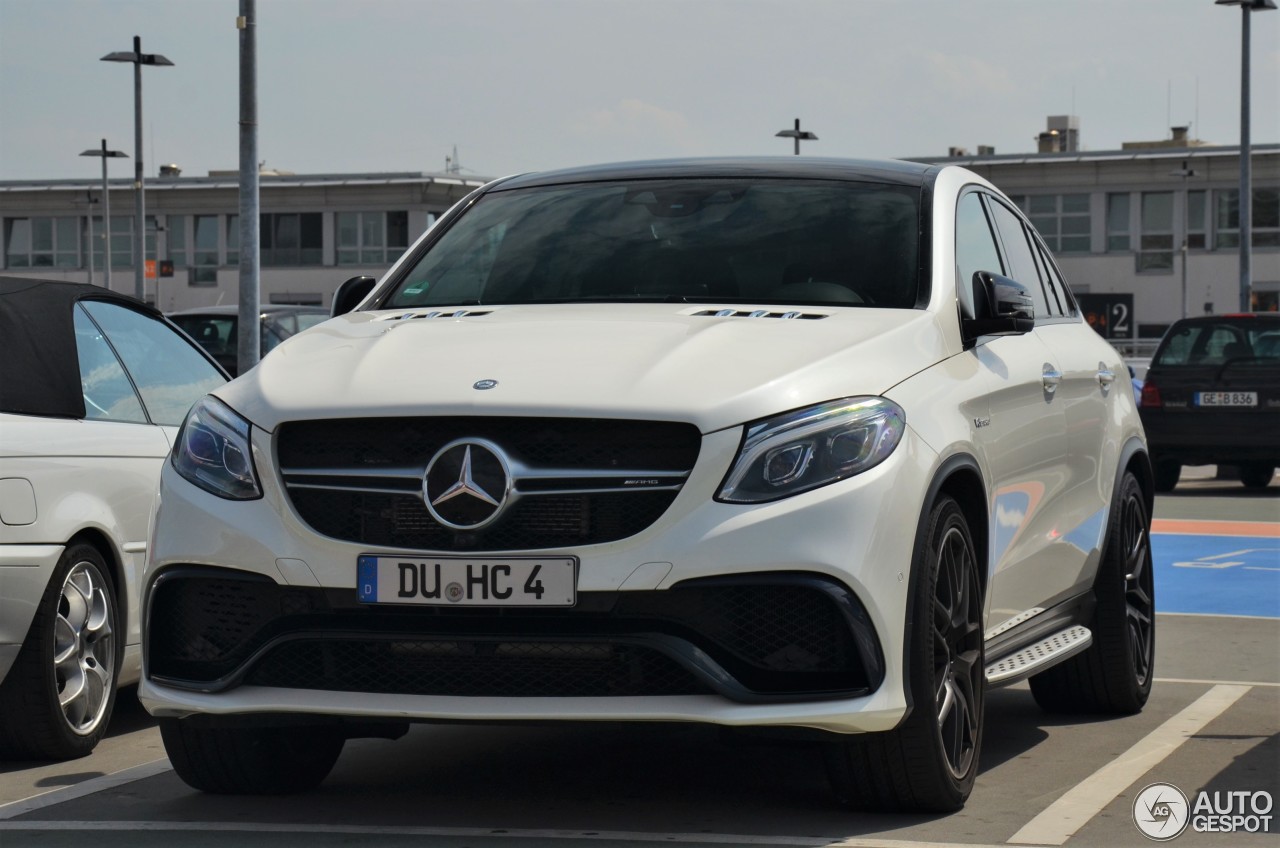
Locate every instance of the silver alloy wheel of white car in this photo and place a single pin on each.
(84, 647)
(57, 699)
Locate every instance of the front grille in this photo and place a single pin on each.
(574, 481)
(750, 638)
(552, 521)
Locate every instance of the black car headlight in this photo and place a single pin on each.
(213, 452)
(807, 448)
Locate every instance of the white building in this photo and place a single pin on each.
(1129, 222)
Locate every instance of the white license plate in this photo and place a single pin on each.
(1226, 398)
(467, 581)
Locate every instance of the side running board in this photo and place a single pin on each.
(1039, 656)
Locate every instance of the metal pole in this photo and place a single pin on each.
(248, 348)
(106, 222)
(90, 239)
(1246, 176)
(1184, 276)
(139, 186)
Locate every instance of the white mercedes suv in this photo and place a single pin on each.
(770, 443)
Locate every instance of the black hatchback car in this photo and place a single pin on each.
(216, 328)
(1212, 396)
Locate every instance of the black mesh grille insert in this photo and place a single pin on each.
(548, 521)
(750, 638)
(540, 519)
(508, 669)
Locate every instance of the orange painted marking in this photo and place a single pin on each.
(1263, 529)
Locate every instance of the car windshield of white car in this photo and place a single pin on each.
(769, 242)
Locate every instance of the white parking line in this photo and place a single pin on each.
(80, 790)
(1201, 680)
(485, 833)
(1061, 819)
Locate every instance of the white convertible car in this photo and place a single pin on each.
(801, 444)
(93, 386)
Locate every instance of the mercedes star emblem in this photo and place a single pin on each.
(467, 484)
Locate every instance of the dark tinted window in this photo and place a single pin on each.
(771, 242)
(1218, 342)
(1022, 262)
(975, 247)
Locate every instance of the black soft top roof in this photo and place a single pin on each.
(39, 370)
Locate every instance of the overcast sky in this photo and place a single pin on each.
(393, 85)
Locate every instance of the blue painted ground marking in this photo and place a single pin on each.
(1217, 575)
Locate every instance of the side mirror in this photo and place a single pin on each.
(349, 295)
(1002, 307)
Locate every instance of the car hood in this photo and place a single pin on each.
(648, 361)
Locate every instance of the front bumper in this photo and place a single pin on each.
(652, 637)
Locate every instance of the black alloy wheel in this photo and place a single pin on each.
(1114, 674)
(928, 764)
(957, 651)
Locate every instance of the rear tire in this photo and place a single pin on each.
(930, 761)
(1257, 475)
(1167, 474)
(250, 760)
(1113, 675)
(57, 699)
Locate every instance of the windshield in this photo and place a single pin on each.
(1219, 342)
(766, 242)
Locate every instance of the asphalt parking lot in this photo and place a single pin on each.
(1212, 724)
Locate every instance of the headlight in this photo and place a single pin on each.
(213, 451)
(812, 447)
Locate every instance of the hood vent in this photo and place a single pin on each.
(452, 313)
(758, 313)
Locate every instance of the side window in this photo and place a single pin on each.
(108, 394)
(975, 248)
(1022, 262)
(1059, 294)
(170, 374)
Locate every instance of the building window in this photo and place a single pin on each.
(1155, 251)
(176, 240)
(1266, 218)
(204, 256)
(1061, 219)
(42, 242)
(1118, 223)
(292, 238)
(122, 241)
(371, 238)
(233, 240)
(1197, 220)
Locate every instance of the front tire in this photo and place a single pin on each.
(1257, 475)
(1114, 674)
(1167, 474)
(250, 760)
(930, 761)
(57, 699)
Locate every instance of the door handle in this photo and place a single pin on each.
(1106, 377)
(1051, 377)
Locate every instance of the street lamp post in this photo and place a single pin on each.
(106, 212)
(798, 134)
(1186, 174)
(138, 59)
(1247, 7)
